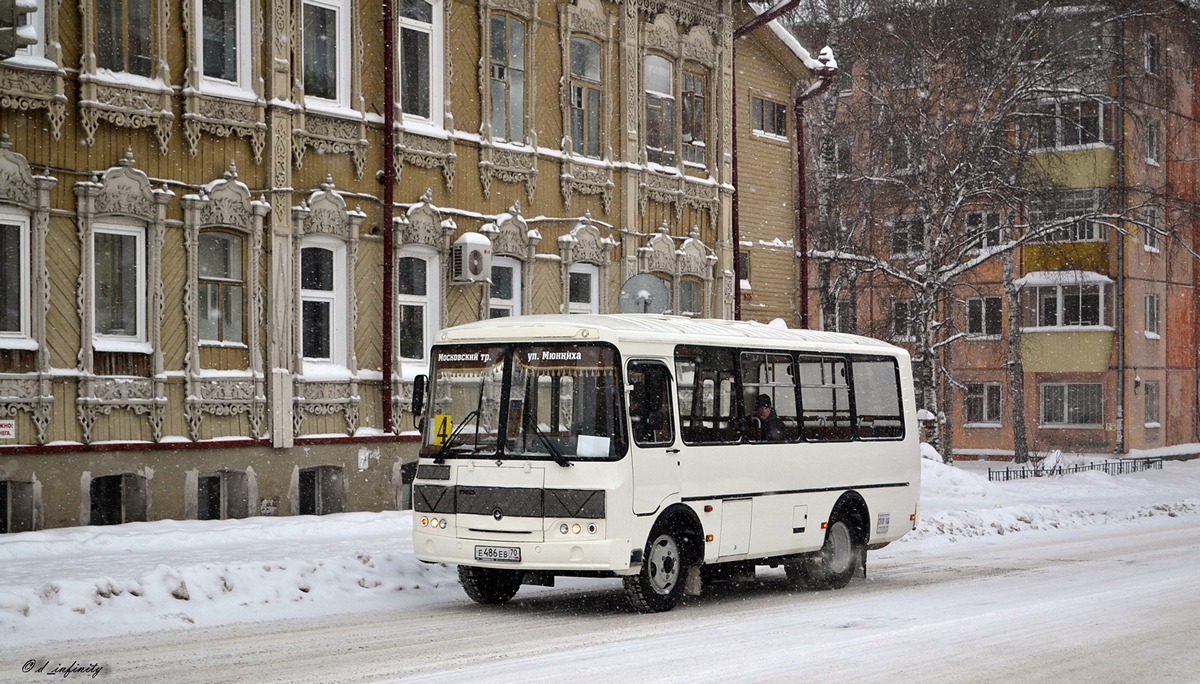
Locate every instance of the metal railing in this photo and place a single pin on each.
(1118, 467)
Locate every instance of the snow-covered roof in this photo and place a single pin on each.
(655, 327)
(1054, 278)
(794, 45)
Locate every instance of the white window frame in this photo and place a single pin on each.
(983, 392)
(765, 125)
(242, 239)
(512, 306)
(1153, 405)
(983, 229)
(907, 318)
(1152, 144)
(104, 342)
(431, 302)
(37, 51)
(1151, 316)
(903, 226)
(22, 338)
(342, 9)
(984, 332)
(592, 307)
(503, 76)
(1152, 55)
(1035, 292)
(1150, 236)
(337, 298)
(1066, 407)
(666, 110)
(579, 101)
(1065, 206)
(437, 60)
(242, 84)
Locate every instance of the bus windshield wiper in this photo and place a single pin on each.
(551, 447)
(441, 457)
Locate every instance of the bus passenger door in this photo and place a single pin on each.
(652, 418)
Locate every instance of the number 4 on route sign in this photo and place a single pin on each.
(442, 427)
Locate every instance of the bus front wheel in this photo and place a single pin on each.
(832, 566)
(659, 584)
(489, 585)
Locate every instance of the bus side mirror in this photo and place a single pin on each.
(418, 401)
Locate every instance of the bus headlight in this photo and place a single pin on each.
(562, 529)
(576, 528)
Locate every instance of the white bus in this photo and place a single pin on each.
(653, 447)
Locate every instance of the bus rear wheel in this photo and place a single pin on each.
(489, 586)
(659, 584)
(832, 566)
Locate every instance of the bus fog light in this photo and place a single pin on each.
(576, 528)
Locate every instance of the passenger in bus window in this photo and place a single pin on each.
(767, 425)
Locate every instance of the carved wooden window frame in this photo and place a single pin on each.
(512, 161)
(36, 78)
(225, 205)
(222, 108)
(121, 195)
(127, 101)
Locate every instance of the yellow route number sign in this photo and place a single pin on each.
(443, 426)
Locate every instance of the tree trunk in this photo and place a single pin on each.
(1016, 368)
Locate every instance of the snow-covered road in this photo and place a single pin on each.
(1083, 579)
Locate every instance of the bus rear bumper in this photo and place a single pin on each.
(607, 555)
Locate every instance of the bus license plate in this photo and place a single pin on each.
(506, 554)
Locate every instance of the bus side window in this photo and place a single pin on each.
(768, 397)
(650, 413)
(824, 399)
(877, 398)
(708, 395)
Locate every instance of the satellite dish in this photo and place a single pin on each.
(645, 293)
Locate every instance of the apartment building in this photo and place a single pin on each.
(1071, 145)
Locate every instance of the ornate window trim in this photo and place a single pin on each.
(30, 195)
(512, 237)
(426, 145)
(331, 128)
(226, 204)
(696, 50)
(324, 214)
(421, 226)
(218, 108)
(580, 174)
(122, 193)
(509, 161)
(584, 245)
(692, 259)
(127, 101)
(29, 82)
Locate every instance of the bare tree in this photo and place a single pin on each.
(949, 102)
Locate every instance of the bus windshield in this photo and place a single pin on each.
(553, 401)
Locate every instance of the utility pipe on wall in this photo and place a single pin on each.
(389, 184)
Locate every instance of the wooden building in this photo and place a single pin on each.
(194, 232)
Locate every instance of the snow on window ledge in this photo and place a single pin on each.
(1153, 426)
(1152, 335)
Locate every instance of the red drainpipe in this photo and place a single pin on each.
(756, 22)
(389, 184)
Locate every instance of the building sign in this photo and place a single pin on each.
(8, 429)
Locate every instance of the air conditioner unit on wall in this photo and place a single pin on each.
(471, 259)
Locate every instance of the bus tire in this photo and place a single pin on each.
(659, 585)
(489, 586)
(832, 566)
